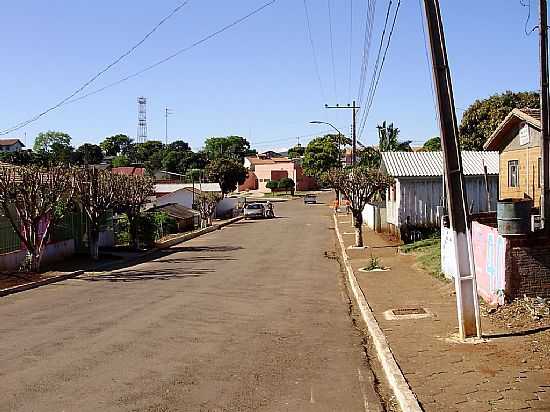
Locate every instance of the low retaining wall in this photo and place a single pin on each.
(489, 259)
(506, 268)
(54, 252)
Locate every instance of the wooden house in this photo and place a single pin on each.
(518, 141)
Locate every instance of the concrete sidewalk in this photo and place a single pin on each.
(446, 375)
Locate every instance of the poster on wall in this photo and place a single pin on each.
(524, 136)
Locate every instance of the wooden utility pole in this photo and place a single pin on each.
(465, 280)
(354, 109)
(544, 120)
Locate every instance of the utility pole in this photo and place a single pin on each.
(465, 280)
(354, 109)
(544, 119)
(167, 112)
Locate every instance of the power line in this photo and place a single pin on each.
(350, 47)
(376, 64)
(177, 53)
(528, 5)
(332, 50)
(367, 42)
(315, 62)
(383, 60)
(378, 68)
(100, 73)
(291, 138)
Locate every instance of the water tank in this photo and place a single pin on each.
(513, 216)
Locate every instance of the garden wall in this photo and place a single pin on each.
(54, 252)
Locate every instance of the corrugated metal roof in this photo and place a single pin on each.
(405, 164)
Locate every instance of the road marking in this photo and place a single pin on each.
(311, 400)
(363, 391)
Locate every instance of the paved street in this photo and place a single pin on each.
(252, 317)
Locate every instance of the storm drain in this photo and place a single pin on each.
(329, 254)
(408, 313)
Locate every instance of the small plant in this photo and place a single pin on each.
(374, 263)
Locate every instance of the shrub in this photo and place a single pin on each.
(272, 184)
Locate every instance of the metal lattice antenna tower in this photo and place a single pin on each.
(142, 120)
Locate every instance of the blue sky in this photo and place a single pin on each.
(256, 80)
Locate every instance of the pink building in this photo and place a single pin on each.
(263, 169)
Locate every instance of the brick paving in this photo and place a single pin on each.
(446, 375)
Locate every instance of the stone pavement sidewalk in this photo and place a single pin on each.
(445, 374)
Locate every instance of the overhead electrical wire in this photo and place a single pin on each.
(332, 50)
(350, 48)
(177, 53)
(97, 75)
(290, 138)
(379, 65)
(369, 103)
(314, 54)
(367, 41)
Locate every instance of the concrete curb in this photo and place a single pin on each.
(192, 235)
(43, 282)
(167, 244)
(401, 389)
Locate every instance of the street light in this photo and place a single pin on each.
(340, 134)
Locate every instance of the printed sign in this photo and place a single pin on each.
(524, 134)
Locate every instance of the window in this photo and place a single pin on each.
(513, 172)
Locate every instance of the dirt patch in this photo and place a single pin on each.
(527, 317)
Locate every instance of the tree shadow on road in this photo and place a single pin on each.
(142, 275)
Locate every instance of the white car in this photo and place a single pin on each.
(254, 210)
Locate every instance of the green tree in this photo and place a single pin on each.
(287, 184)
(44, 141)
(432, 145)
(88, 154)
(369, 157)
(60, 153)
(296, 151)
(228, 173)
(481, 119)
(230, 147)
(115, 145)
(120, 161)
(388, 139)
(320, 156)
(272, 185)
(25, 158)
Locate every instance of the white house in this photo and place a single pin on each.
(185, 193)
(10, 145)
(418, 189)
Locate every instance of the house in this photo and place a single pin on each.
(186, 218)
(184, 194)
(262, 170)
(11, 145)
(417, 194)
(517, 139)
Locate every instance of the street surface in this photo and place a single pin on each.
(252, 317)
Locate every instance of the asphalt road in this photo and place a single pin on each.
(252, 317)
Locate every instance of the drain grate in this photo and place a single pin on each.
(409, 311)
(329, 254)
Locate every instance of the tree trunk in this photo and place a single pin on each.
(132, 232)
(94, 244)
(358, 224)
(34, 262)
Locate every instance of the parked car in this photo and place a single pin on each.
(310, 198)
(254, 210)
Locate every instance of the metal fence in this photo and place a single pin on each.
(72, 226)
